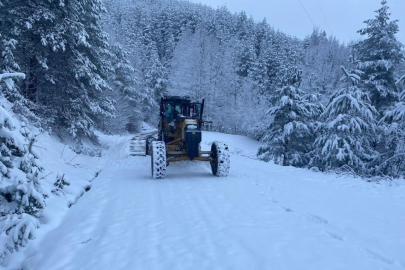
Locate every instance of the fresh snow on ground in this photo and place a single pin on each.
(262, 216)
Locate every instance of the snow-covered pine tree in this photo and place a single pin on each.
(378, 55)
(263, 68)
(145, 41)
(392, 162)
(245, 44)
(153, 70)
(156, 77)
(22, 196)
(288, 137)
(283, 55)
(85, 70)
(348, 129)
(322, 61)
(164, 26)
(8, 65)
(62, 46)
(223, 23)
(124, 92)
(131, 99)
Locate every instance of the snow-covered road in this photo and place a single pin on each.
(261, 216)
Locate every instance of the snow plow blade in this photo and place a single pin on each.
(138, 146)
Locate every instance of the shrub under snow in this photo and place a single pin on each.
(21, 195)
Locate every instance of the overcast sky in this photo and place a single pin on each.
(341, 18)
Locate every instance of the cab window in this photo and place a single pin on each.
(177, 110)
(168, 112)
(197, 110)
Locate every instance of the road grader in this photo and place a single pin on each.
(180, 136)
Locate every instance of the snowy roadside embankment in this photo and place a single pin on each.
(262, 216)
(62, 177)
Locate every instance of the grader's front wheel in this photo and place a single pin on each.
(158, 159)
(220, 159)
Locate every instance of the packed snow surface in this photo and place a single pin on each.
(262, 216)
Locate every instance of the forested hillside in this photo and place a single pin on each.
(72, 67)
(314, 102)
(233, 62)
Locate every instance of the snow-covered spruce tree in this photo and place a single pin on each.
(8, 65)
(392, 162)
(62, 50)
(323, 58)
(165, 41)
(289, 138)
(263, 52)
(281, 55)
(378, 55)
(131, 99)
(246, 58)
(348, 129)
(21, 193)
(153, 70)
(156, 77)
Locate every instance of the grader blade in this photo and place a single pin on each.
(138, 146)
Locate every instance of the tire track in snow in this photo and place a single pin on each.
(331, 229)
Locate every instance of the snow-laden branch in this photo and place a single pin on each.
(400, 80)
(16, 75)
(354, 78)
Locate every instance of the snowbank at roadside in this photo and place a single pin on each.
(75, 173)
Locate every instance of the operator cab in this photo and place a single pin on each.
(180, 108)
(179, 116)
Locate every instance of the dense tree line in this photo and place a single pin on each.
(78, 80)
(360, 129)
(188, 49)
(314, 102)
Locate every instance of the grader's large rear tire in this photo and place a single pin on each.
(158, 159)
(220, 159)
